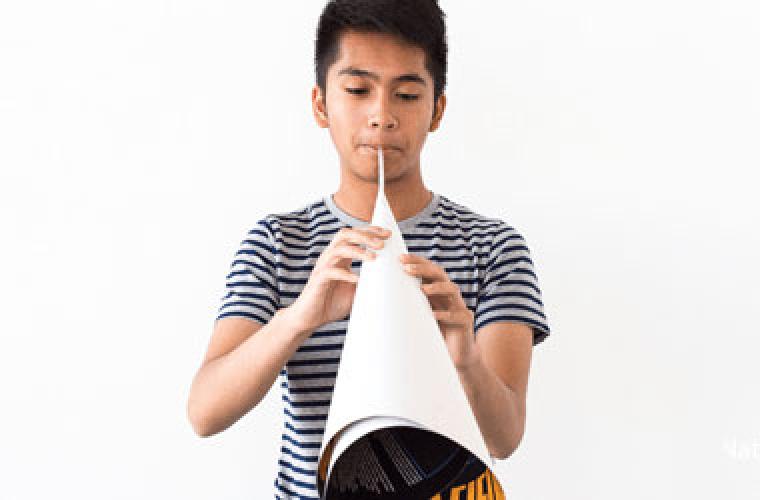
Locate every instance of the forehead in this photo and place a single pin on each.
(381, 53)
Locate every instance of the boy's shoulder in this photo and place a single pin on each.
(475, 223)
(302, 217)
(463, 212)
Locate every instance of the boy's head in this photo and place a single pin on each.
(380, 76)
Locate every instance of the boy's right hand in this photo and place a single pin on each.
(329, 293)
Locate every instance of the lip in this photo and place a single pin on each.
(386, 147)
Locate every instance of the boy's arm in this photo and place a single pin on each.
(496, 384)
(243, 360)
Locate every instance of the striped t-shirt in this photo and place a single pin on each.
(487, 258)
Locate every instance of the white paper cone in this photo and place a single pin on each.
(395, 368)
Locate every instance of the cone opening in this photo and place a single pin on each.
(399, 463)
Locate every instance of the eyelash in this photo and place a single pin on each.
(406, 97)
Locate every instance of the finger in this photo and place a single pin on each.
(347, 237)
(412, 258)
(426, 269)
(346, 250)
(451, 317)
(445, 289)
(378, 229)
(373, 230)
(440, 288)
(374, 235)
(440, 294)
(409, 257)
(360, 236)
(340, 274)
(451, 289)
(444, 316)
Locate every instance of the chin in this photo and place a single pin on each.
(365, 170)
(368, 173)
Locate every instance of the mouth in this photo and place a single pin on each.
(372, 148)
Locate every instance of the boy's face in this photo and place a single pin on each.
(378, 93)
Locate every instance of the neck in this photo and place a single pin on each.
(407, 195)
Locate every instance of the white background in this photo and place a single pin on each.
(139, 141)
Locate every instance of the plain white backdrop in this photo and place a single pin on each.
(139, 141)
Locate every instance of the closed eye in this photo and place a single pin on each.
(406, 97)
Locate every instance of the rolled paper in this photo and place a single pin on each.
(397, 393)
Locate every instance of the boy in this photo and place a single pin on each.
(380, 71)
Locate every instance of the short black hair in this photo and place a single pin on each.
(417, 22)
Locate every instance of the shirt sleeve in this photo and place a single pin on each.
(251, 286)
(509, 290)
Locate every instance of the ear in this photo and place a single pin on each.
(440, 106)
(319, 107)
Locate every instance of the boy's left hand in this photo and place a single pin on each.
(455, 319)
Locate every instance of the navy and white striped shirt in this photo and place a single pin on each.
(486, 257)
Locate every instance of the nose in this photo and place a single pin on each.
(385, 121)
(381, 118)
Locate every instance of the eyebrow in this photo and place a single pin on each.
(408, 77)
